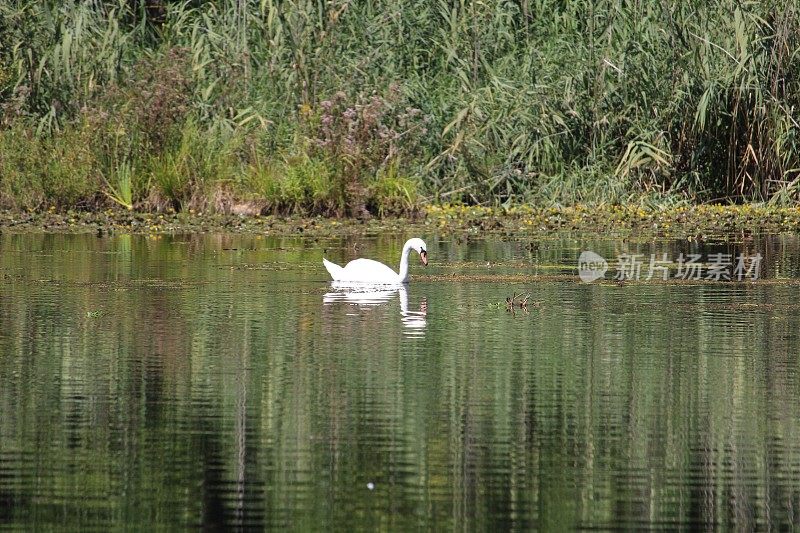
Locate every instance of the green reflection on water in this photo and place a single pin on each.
(209, 380)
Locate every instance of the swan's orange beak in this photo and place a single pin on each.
(423, 255)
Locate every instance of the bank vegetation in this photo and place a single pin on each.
(350, 108)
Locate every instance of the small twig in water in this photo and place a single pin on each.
(518, 300)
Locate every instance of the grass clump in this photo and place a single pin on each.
(38, 172)
(392, 193)
(185, 175)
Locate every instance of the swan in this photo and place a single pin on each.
(374, 272)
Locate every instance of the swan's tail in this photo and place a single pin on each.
(333, 269)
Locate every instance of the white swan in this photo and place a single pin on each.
(375, 273)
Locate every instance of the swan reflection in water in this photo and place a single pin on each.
(414, 322)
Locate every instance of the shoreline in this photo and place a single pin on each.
(522, 222)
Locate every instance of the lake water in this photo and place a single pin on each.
(218, 381)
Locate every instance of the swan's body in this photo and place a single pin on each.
(367, 271)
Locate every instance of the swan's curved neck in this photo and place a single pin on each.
(403, 274)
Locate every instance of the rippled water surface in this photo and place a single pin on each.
(220, 381)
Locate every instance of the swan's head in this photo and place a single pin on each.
(418, 245)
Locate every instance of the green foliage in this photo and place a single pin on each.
(361, 138)
(308, 184)
(120, 188)
(262, 179)
(181, 176)
(37, 172)
(392, 193)
(552, 102)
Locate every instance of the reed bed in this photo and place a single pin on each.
(374, 107)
